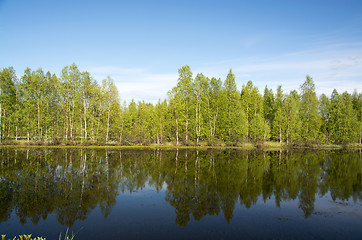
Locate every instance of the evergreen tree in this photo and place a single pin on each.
(235, 117)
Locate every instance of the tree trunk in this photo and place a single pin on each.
(161, 133)
(0, 123)
(3, 124)
(176, 130)
(72, 121)
(109, 112)
(121, 133)
(187, 122)
(38, 117)
(93, 129)
(81, 129)
(67, 121)
(85, 117)
(196, 125)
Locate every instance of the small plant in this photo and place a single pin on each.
(22, 237)
(66, 236)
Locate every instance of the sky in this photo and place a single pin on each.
(142, 44)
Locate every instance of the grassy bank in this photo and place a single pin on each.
(246, 146)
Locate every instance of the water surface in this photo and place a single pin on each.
(178, 194)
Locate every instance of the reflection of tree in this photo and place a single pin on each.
(342, 175)
(181, 189)
(71, 183)
(310, 169)
(253, 179)
(6, 199)
(59, 181)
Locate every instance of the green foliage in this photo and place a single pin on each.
(73, 108)
(23, 237)
(269, 106)
(253, 107)
(293, 121)
(279, 123)
(235, 122)
(342, 119)
(309, 112)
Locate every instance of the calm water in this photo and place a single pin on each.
(181, 194)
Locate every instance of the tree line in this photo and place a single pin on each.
(75, 108)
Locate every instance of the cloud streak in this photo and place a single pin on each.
(331, 66)
(137, 83)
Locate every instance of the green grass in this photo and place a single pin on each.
(269, 145)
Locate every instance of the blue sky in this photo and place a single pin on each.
(141, 44)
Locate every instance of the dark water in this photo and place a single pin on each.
(181, 194)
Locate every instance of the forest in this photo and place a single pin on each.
(73, 108)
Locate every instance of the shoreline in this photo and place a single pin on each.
(247, 146)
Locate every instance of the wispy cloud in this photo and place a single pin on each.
(331, 66)
(137, 83)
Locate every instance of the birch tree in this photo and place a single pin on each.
(309, 111)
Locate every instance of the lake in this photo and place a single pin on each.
(181, 194)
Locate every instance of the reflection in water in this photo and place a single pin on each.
(71, 183)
